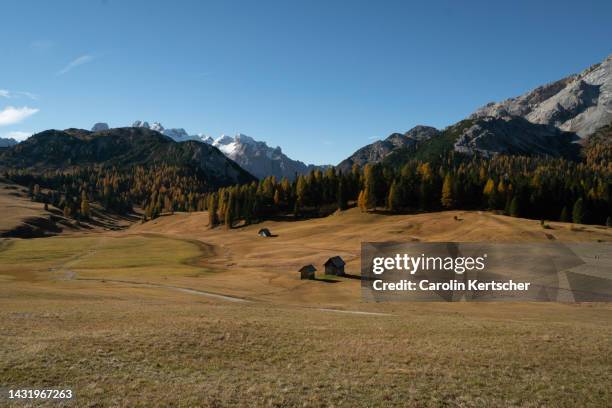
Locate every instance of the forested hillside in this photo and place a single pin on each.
(532, 187)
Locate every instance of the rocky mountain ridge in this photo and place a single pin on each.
(7, 142)
(377, 151)
(260, 159)
(580, 103)
(549, 120)
(254, 156)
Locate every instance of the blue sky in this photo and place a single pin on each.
(318, 78)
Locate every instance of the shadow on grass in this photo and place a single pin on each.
(326, 280)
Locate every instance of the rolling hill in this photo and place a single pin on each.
(123, 148)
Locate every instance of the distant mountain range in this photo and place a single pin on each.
(254, 156)
(7, 142)
(178, 134)
(552, 119)
(259, 159)
(123, 148)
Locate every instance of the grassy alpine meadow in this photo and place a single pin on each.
(170, 313)
(124, 346)
(98, 256)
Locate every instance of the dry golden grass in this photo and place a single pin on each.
(117, 345)
(129, 337)
(266, 268)
(16, 208)
(22, 217)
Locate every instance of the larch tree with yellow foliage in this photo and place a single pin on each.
(447, 192)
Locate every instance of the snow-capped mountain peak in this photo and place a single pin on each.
(260, 159)
(223, 140)
(140, 123)
(178, 134)
(242, 138)
(153, 126)
(157, 127)
(253, 155)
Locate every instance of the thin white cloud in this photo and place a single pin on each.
(5, 93)
(42, 45)
(11, 115)
(83, 59)
(18, 135)
(30, 95)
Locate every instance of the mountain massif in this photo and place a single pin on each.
(377, 151)
(551, 120)
(122, 148)
(260, 159)
(579, 103)
(254, 156)
(177, 134)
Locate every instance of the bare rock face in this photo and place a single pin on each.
(580, 103)
(515, 135)
(377, 151)
(100, 126)
(260, 159)
(140, 123)
(7, 142)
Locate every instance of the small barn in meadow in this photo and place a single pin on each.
(307, 272)
(335, 266)
(264, 232)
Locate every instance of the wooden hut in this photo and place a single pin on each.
(307, 272)
(335, 266)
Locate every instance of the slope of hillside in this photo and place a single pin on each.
(24, 218)
(20, 216)
(122, 147)
(516, 136)
(266, 268)
(598, 146)
(377, 151)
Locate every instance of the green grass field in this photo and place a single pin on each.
(99, 256)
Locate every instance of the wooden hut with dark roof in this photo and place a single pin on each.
(307, 272)
(335, 266)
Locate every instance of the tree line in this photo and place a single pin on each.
(530, 187)
(155, 189)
